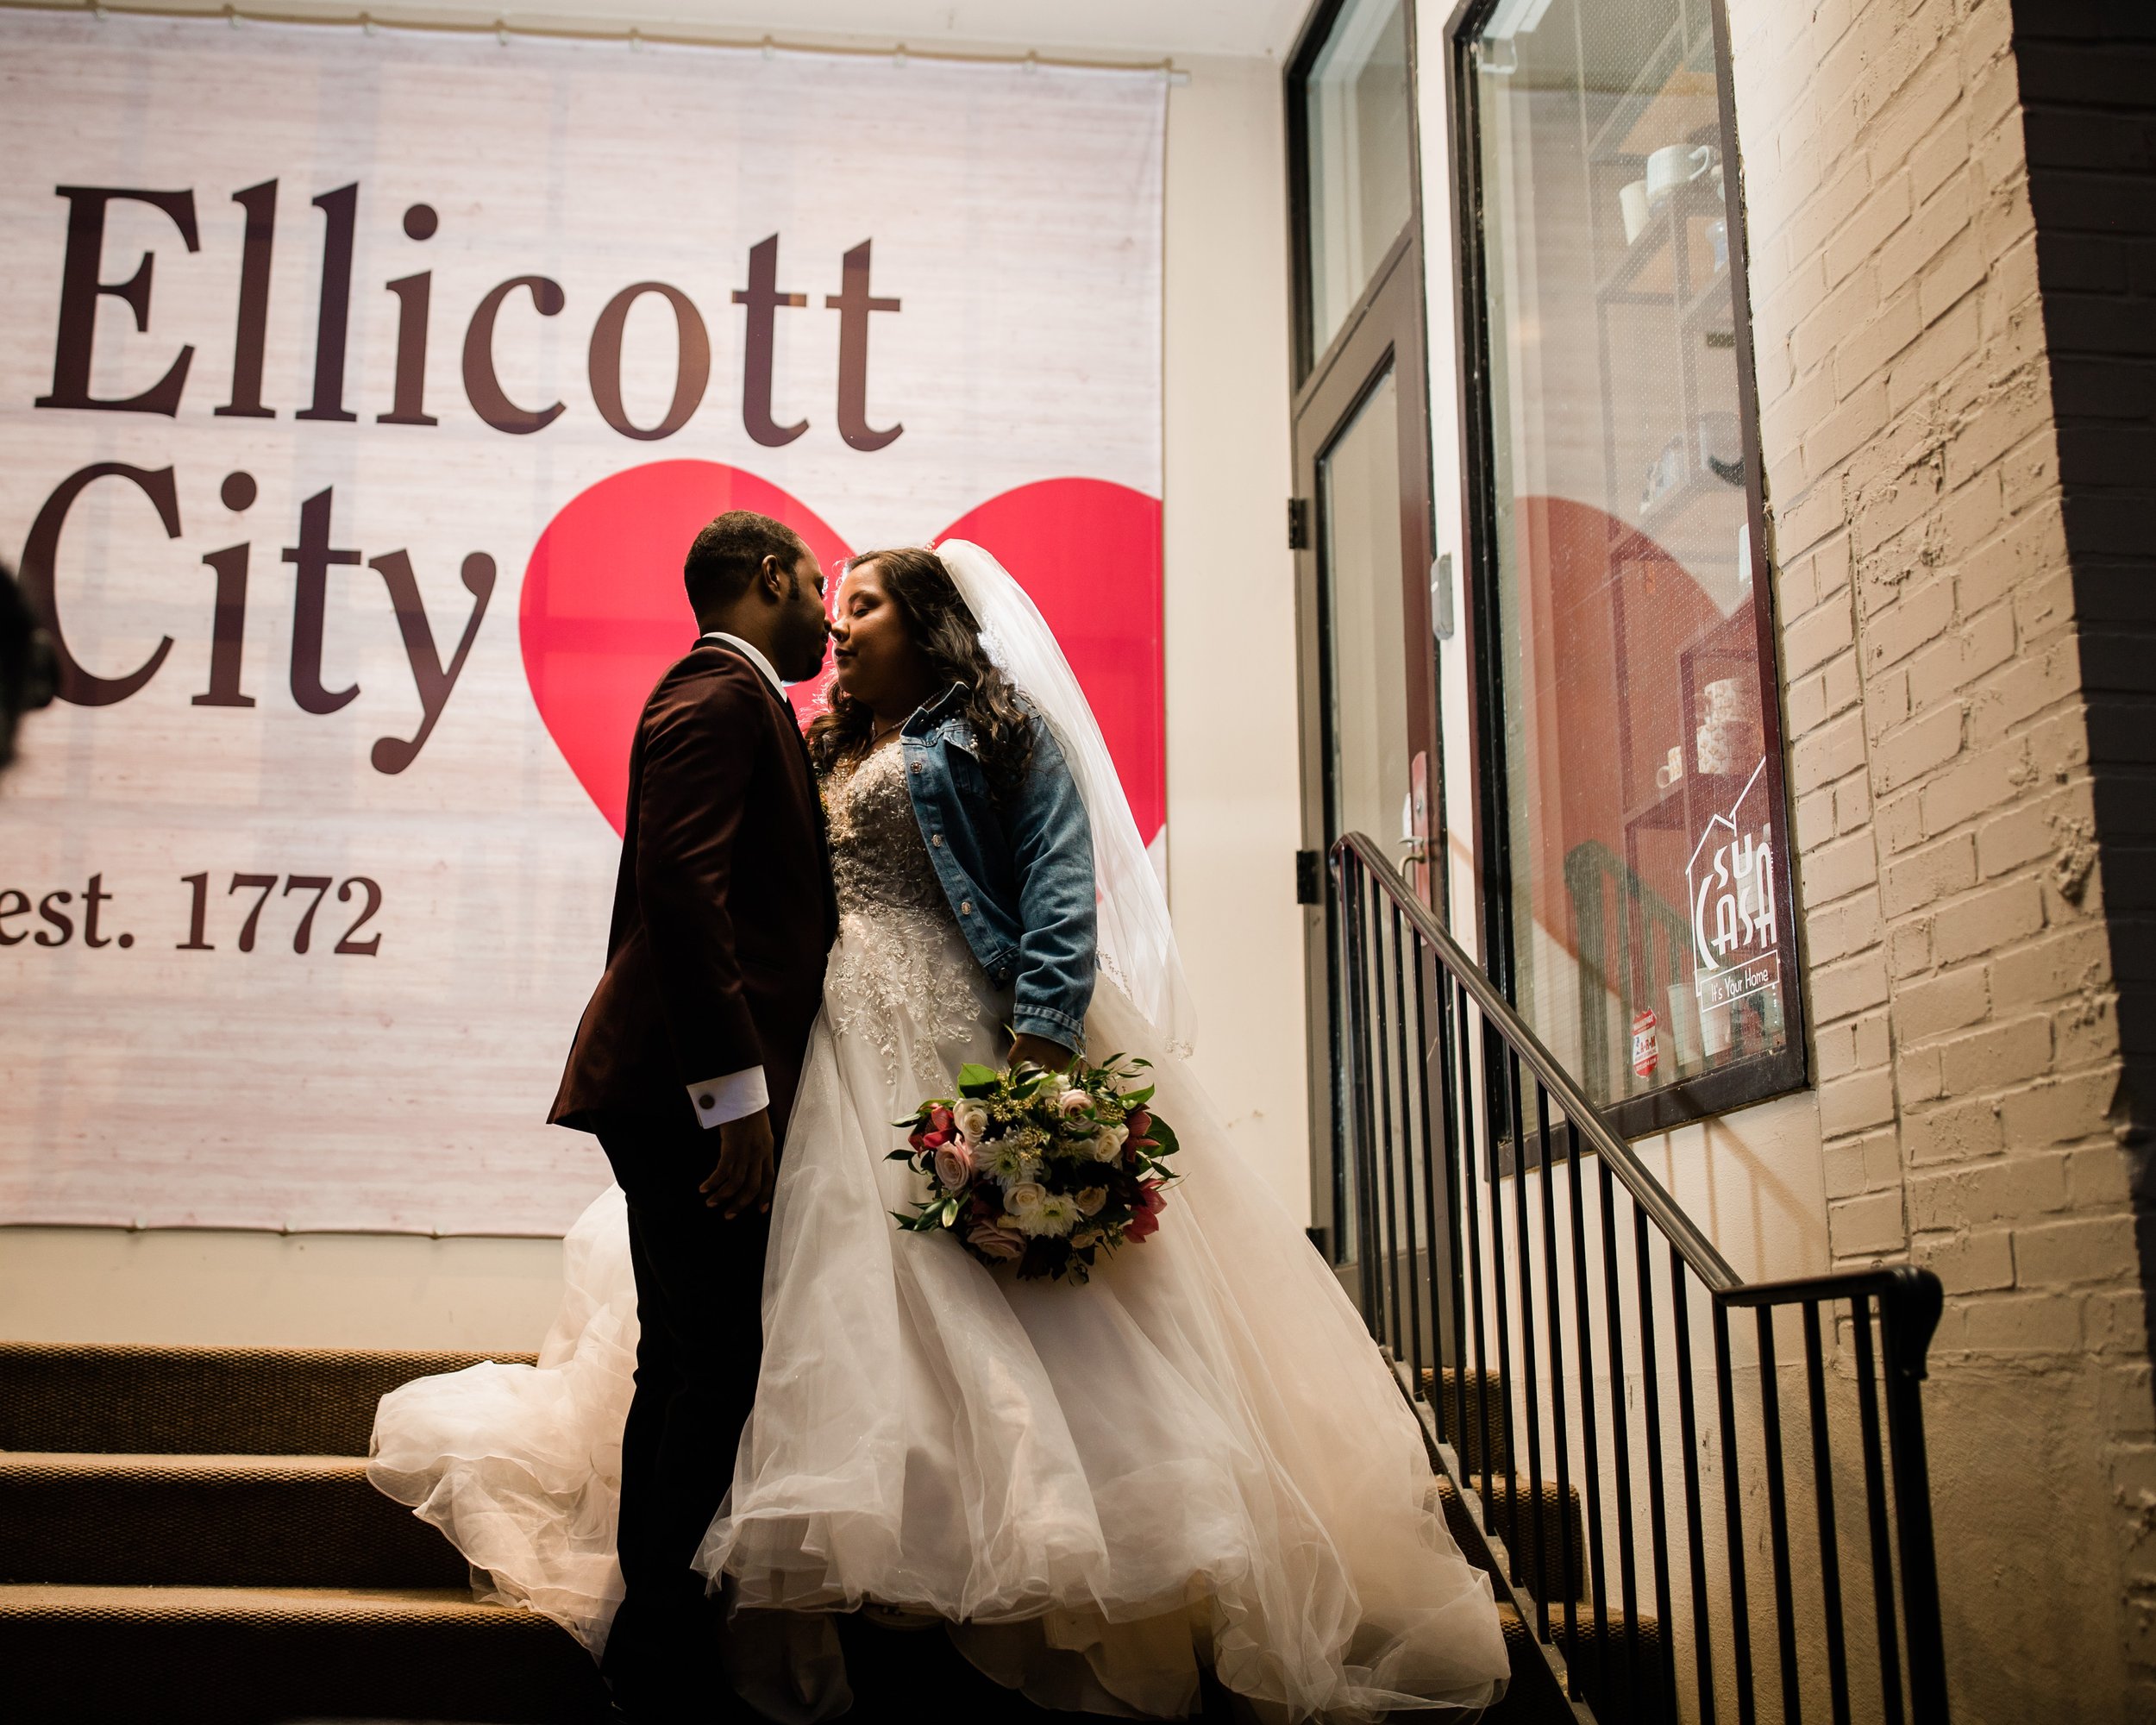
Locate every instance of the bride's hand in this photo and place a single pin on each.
(1040, 1050)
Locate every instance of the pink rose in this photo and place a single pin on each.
(994, 1242)
(954, 1165)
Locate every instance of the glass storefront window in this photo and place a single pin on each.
(1355, 139)
(1642, 803)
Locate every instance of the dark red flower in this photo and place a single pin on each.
(1145, 1216)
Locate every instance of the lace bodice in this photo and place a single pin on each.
(900, 957)
(879, 863)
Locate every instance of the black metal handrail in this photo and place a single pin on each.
(1438, 1112)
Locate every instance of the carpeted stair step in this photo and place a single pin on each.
(1617, 1661)
(1541, 1561)
(185, 1400)
(220, 1521)
(233, 1656)
(1476, 1395)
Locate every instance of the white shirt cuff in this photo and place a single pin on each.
(717, 1100)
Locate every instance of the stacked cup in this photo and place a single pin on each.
(1727, 740)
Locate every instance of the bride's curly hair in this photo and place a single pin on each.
(944, 631)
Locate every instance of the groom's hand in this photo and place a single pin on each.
(745, 1165)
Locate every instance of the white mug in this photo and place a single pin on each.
(1672, 165)
(1633, 201)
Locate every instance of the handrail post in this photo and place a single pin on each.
(1910, 1307)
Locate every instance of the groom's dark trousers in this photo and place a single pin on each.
(723, 915)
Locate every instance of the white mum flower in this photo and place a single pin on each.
(1055, 1215)
(1006, 1159)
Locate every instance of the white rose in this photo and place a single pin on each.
(1091, 1200)
(1107, 1143)
(1025, 1198)
(972, 1119)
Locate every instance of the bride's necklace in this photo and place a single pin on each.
(881, 732)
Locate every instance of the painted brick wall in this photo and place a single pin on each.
(1952, 879)
(2087, 89)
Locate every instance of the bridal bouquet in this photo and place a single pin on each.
(1043, 1169)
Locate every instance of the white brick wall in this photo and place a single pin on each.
(1966, 1039)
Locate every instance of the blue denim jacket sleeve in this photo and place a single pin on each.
(1051, 853)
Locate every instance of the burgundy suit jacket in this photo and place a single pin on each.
(723, 910)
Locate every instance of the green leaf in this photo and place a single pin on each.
(975, 1080)
(1163, 1137)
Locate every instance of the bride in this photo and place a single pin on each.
(1197, 1458)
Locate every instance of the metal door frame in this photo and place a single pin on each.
(1384, 329)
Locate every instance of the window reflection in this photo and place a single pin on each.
(1365, 678)
(1365, 670)
(1644, 829)
(1355, 105)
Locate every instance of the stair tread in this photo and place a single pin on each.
(257, 1655)
(130, 1399)
(80, 1356)
(372, 1605)
(1501, 1482)
(174, 1465)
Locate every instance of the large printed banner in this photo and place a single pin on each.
(358, 395)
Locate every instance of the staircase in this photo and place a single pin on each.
(188, 1535)
(1724, 1509)
(1553, 1552)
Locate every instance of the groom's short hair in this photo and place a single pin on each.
(725, 556)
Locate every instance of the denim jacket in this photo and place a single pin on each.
(1019, 879)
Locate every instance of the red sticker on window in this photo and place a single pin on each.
(1644, 1049)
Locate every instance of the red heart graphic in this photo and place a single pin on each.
(603, 612)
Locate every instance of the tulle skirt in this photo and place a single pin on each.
(1198, 1457)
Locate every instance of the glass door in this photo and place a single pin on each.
(1361, 513)
(1369, 740)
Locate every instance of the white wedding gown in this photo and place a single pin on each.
(1198, 1456)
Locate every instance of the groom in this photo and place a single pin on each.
(686, 1060)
